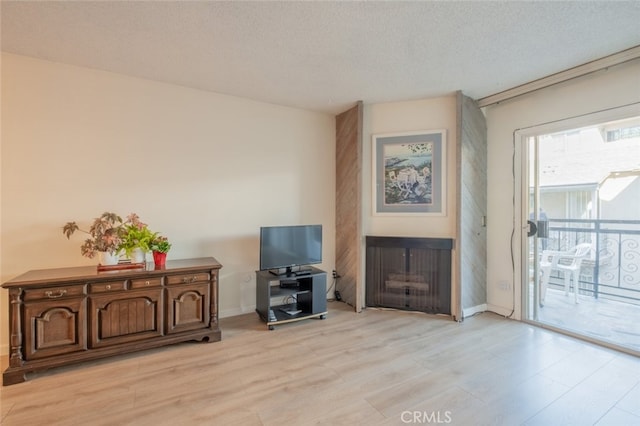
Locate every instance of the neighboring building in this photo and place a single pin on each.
(591, 173)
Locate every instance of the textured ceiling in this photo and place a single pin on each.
(324, 56)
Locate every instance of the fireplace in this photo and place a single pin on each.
(409, 273)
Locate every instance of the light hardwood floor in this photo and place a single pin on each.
(375, 368)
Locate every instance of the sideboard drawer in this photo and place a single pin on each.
(107, 287)
(146, 282)
(188, 278)
(53, 292)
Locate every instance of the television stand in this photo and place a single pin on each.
(278, 304)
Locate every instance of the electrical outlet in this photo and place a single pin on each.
(504, 285)
(335, 274)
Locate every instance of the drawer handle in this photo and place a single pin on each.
(50, 294)
(108, 287)
(189, 280)
(147, 283)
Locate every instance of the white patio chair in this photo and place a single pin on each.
(567, 262)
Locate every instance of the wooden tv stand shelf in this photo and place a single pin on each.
(68, 315)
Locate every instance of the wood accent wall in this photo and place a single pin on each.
(471, 247)
(348, 205)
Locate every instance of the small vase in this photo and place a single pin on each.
(107, 258)
(159, 258)
(138, 255)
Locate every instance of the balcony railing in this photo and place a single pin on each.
(613, 269)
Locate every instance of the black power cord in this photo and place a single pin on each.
(335, 284)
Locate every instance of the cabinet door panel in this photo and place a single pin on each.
(54, 327)
(188, 307)
(312, 298)
(125, 317)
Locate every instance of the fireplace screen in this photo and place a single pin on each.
(409, 273)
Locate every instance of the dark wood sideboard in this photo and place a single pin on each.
(68, 315)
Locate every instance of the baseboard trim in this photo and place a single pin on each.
(467, 312)
(236, 311)
(505, 312)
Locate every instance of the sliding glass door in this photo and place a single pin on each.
(581, 258)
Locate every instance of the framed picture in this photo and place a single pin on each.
(409, 171)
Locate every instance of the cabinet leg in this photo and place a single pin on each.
(271, 327)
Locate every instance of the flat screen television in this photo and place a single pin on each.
(285, 248)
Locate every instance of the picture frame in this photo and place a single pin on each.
(409, 173)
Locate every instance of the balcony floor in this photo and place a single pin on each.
(607, 320)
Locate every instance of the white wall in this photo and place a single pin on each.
(408, 116)
(206, 170)
(615, 87)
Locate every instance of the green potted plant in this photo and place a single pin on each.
(136, 238)
(105, 237)
(160, 247)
